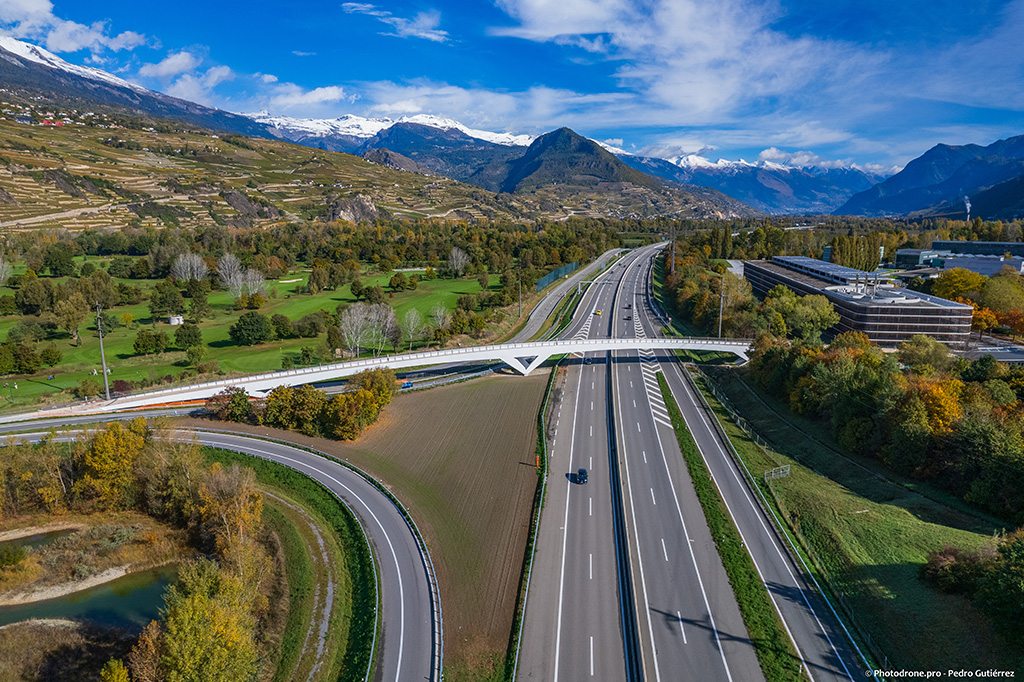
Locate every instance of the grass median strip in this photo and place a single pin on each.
(775, 652)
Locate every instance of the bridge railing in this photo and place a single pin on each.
(498, 351)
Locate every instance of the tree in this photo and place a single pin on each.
(195, 355)
(148, 341)
(398, 282)
(108, 464)
(68, 314)
(381, 327)
(353, 323)
(59, 259)
(188, 335)
(166, 299)
(5, 270)
(50, 355)
(374, 294)
(251, 328)
(189, 267)
(457, 261)
(114, 671)
(282, 326)
(253, 282)
(484, 280)
(230, 271)
(144, 659)
(231, 404)
(921, 351)
(413, 324)
(957, 283)
(209, 636)
(442, 316)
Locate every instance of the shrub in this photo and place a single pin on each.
(251, 328)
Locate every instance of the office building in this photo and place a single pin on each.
(866, 302)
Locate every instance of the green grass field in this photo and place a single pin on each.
(869, 536)
(79, 362)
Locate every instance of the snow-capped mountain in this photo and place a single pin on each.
(34, 53)
(348, 132)
(33, 70)
(766, 185)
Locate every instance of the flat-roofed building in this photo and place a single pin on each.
(866, 302)
(980, 248)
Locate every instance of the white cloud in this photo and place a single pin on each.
(299, 53)
(35, 20)
(289, 95)
(199, 87)
(266, 77)
(171, 65)
(423, 25)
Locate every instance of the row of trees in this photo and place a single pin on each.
(953, 422)
(310, 410)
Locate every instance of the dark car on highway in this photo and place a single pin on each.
(581, 476)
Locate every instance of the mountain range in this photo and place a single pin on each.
(931, 185)
(937, 182)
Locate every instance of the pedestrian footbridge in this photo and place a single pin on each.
(521, 357)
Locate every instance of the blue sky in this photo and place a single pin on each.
(871, 82)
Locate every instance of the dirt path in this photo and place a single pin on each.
(311, 658)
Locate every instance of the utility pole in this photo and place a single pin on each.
(103, 357)
(721, 305)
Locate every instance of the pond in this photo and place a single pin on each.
(129, 602)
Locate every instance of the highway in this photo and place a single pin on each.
(573, 626)
(688, 616)
(822, 644)
(410, 646)
(677, 604)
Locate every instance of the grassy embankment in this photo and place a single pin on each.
(78, 362)
(775, 652)
(867, 537)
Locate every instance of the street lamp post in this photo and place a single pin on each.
(721, 304)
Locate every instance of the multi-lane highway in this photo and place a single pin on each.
(658, 606)
(628, 584)
(690, 622)
(821, 641)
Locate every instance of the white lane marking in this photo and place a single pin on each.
(665, 551)
(663, 423)
(591, 565)
(591, 430)
(644, 452)
(634, 403)
(591, 506)
(652, 498)
(681, 630)
(631, 384)
(591, 656)
(591, 462)
(638, 427)
(591, 404)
